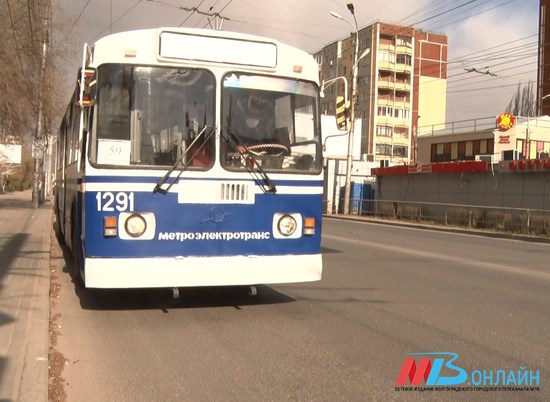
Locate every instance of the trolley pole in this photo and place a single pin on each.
(38, 146)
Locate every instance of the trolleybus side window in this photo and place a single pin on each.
(149, 116)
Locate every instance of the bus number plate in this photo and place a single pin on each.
(108, 201)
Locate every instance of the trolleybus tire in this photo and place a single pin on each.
(77, 258)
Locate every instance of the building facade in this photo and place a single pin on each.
(483, 139)
(401, 80)
(543, 79)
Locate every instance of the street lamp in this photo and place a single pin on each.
(353, 101)
(540, 102)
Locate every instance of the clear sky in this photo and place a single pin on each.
(496, 40)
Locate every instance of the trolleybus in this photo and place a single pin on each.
(191, 157)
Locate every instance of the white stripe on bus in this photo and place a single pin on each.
(148, 187)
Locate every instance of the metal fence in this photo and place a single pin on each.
(514, 220)
(471, 125)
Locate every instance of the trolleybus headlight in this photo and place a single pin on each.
(287, 225)
(135, 225)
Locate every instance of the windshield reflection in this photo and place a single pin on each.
(150, 116)
(272, 121)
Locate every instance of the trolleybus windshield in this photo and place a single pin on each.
(272, 120)
(150, 116)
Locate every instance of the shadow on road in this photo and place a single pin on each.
(326, 250)
(15, 200)
(147, 299)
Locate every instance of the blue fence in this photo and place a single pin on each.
(361, 197)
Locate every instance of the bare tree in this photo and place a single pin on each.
(21, 38)
(16, 69)
(524, 101)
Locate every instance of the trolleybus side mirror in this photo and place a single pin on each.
(87, 86)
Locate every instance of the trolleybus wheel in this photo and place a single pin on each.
(77, 256)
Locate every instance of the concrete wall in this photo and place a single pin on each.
(501, 188)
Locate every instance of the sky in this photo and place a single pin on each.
(492, 43)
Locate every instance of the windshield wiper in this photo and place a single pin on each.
(162, 181)
(259, 174)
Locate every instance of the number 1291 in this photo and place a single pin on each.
(108, 201)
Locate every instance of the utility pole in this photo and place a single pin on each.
(347, 188)
(38, 146)
(349, 159)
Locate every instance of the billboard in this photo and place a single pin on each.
(10, 153)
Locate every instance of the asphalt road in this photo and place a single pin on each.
(386, 292)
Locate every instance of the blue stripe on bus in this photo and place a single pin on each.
(207, 229)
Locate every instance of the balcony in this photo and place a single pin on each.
(386, 65)
(401, 104)
(387, 46)
(386, 84)
(400, 140)
(400, 122)
(403, 86)
(403, 68)
(403, 49)
(392, 121)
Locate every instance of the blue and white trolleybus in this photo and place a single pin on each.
(191, 158)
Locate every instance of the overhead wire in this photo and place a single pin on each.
(190, 15)
(444, 12)
(79, 15)
(438, 5)
(436, 14)
(441, 10)
(437, 28)
(486, 57)
(310, 11)
(116, 20)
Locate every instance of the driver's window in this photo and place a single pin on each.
(269, 123)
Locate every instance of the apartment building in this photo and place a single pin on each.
(402, 80)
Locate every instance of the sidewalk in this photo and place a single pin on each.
(25, 245)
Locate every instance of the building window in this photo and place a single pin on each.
(404, 41)
(491, 146)
(386, 40)
(462, 150)
(383, 149)
(385, 111)
(384, 131)
(401, 133)
(404, 59)
(402, 113)
(477, 147)
(387, 56)
(400, 151)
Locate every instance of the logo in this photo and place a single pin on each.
(505, 121)
(430, 373)
(440, 371)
